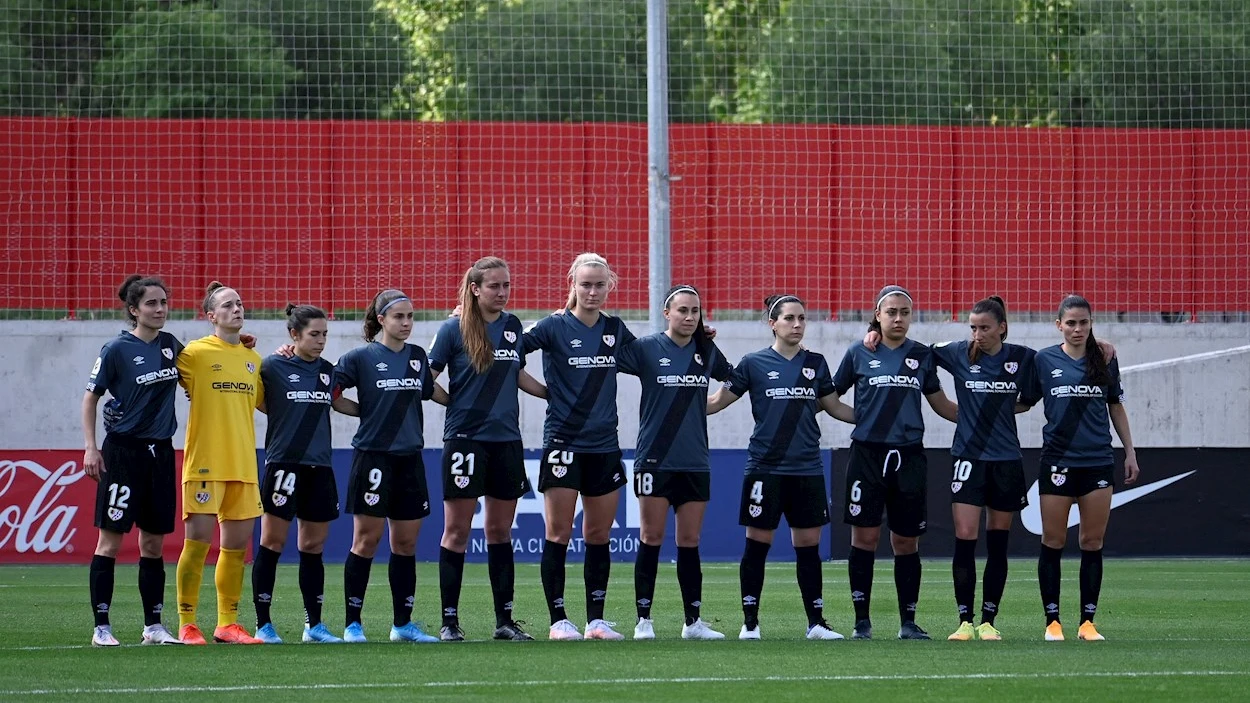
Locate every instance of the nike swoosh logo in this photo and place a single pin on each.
(1031, 516)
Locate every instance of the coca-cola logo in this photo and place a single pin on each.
(42, 525)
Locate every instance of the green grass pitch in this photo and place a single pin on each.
(1176, 630)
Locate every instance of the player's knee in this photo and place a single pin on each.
(865, 538)
(560, 534)
(273, 543)
(904, 545)
(107, 547)
(456, 538)
(966, 531)
(1091, 543)
(151, 545)
(403, 546)
(496, 534)
(311, 545)
(596, 534)
(366, 544)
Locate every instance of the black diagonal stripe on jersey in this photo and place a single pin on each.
(991, 407)
(398, 410)
(790, 417)
(676, 413)
(479, 412)
(895, 396)
(314, 414)
(1065, 429)
(590, 390)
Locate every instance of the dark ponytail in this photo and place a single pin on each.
(132, 290)
(995, 306)
(378, 306)
(1097, 372)
(298, 316)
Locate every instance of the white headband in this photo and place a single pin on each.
(386, 307)
(779, 301)
(900, 291)
(679, 289)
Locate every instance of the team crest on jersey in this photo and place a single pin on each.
(853, 509)
(1011, 366)
(278, 499)
(510, 336)
(956, 485)
(325, 379)
(912, 364)
(371, 498)
(202, 497)
(462, 482)
(609, 339)
(115, 514)
(698, 359)
(809, 374)
(755, 510)
(251, 368)
(167, 353)
(559, 471)
(415, 364)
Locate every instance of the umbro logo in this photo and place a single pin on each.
(773, 375)
(138, 361)
(293, 378)
(874, 364)
(1056, 373)
(575, 343)
(381, 366)
(665, 361)
(975, 368)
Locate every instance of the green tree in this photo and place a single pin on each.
(190, 61)
(351, 56)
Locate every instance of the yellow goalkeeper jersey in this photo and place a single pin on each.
(224, 383)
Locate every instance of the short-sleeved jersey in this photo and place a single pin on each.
(579, 368)
(225, 386)
(142, 377)
(889, 384)
(1077, 431)
(484, 406)
(987, 391)
(390, 386)
(785, 397)
(298, 394)
(672, 432)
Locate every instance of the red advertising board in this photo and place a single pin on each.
(47, 506)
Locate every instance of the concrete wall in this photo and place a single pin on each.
(1202, 402)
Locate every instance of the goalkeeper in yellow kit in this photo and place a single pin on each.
(219, 474)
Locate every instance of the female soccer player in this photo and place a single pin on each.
(887, 468)
(671, 465)
(135, 468)
(482, 452)
(581, 454)
(387, 480)
(219, 472)
(788, 386)
(1081, 391)
(298, 480)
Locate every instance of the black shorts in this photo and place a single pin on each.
(589, 474)
(388, 485)
(804, 500)
(1075, 481)
(678, 487)
(998, 485)
(893, 479)
(139, 485)
(474, 469)
(290, 491)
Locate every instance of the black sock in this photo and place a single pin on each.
(1091, 582)
(1049, 567)
(264, 575)
(100, 584)
(312, 586)
(907, 584)
(645, 568)
(502, 579)
(859, 566)
(597, 570)
(808, 571)
(690, 580)
(554, 555)
(402, 572)
(964, 569)
(751, 580)
(355, 583)
(450, 575)
(152, 588)
(995, 578)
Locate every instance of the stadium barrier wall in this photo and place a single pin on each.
(1190, 503)
(1155, 220)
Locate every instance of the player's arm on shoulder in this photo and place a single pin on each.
(721, 399)
(530, 385)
